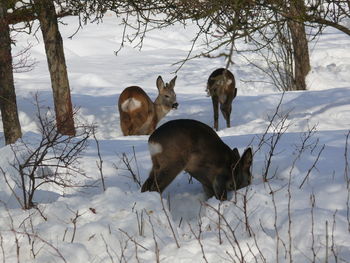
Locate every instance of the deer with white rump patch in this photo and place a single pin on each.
(139, 115)
(194, 147)
(221, 87)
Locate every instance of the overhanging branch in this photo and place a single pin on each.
(28, 14)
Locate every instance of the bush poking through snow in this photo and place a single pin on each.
(53, 159)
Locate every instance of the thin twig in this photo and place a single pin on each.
(198, 237)
(107, 249)
(74, 221)
(333, 246)
(155, 240)
(166, 213)
(312, 199)
(2, 248)
(312, 167)
(132, 239)
(100, 162)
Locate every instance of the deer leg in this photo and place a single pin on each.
(206, 184)
(148, 184)
(125, 124)
(226, 112)
(215, 101)
(159, 179)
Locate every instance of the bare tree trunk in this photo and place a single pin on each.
(300, 46)
(8, 104)
(57, 66)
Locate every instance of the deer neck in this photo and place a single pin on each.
(161, 110)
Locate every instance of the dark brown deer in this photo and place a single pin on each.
(139, 115)
(194, 147)
(221, 87)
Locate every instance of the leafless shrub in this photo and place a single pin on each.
(2, 248)
(12, 229)
(74, 221)
(107, 249)
(136, 244)
(289, 211)
(347, 179)
(112, 254)
(271, 120)
(245, 212)
(327, 243)
(230, 235)
(140, 223)
(245, 220)
(51, 159)
(307, 144)
(277, 127)
(32, 240)
(275, 51)
(333, 245)
(22, 62)
(313, 202)
(278, 238)
(346, 168)
(36, 236)
(123, 245)
(127, 165)
(261, 254)
(312, 166)
(99, 163)
(198, 238)
(219, 223)
(156, 247)
(36, 242)
(167, 215)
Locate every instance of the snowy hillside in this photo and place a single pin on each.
(302, 213)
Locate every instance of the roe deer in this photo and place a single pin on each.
(138, 114)
(194, 147)
(221, 87)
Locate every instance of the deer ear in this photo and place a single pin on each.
(247, 158)
(172, 83)
(160, 83)
(236, 153)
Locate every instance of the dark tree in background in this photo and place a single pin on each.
(57, 66)
(47, 12)
(222, 22)
(8, 104)
(25, 12)
(300, 46)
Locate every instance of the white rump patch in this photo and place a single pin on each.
(130, 104)
(155, 148)
(222, 80)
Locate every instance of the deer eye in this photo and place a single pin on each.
(167, 96)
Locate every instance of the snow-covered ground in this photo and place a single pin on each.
(279, 220)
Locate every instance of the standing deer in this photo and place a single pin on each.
(138, 114)
(221, 87)
(194, 147)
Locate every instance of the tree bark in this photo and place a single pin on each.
(8, 103)
(300, 45)
(57, 66)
